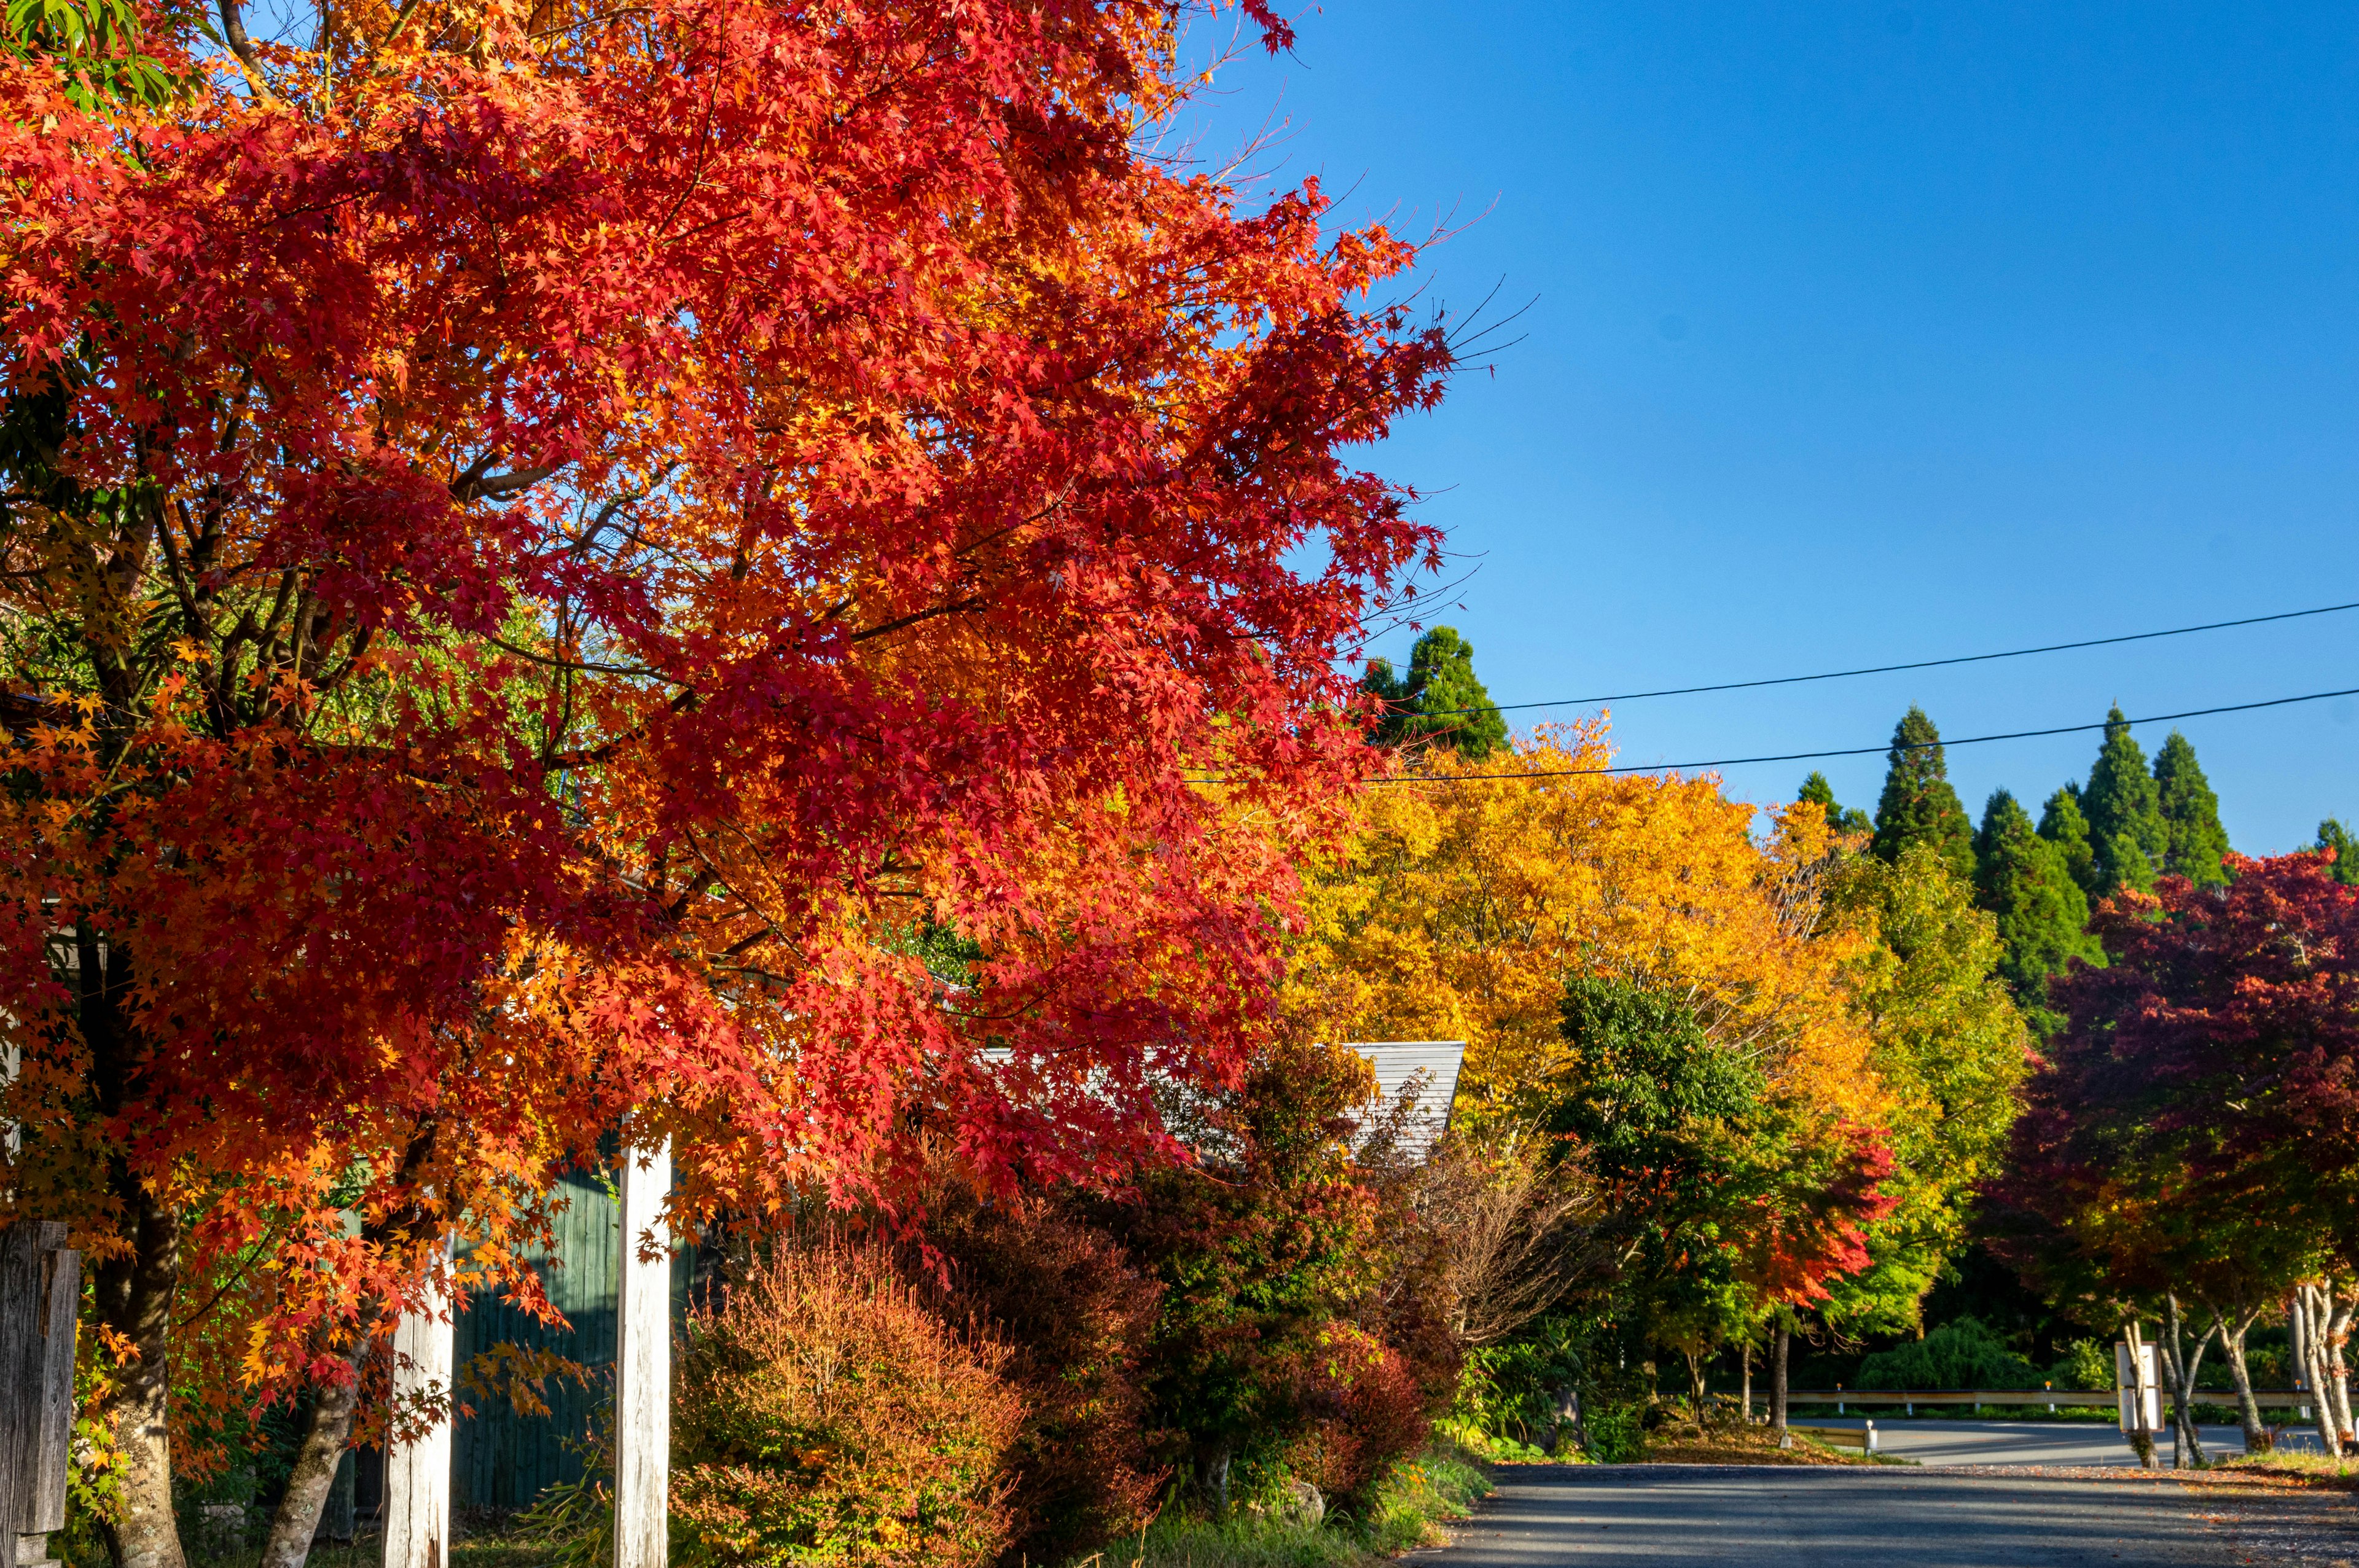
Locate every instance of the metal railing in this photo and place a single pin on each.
(2054, 1398)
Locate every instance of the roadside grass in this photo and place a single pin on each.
(2341, 1473)
(1732, 1442)
(1410, 1507)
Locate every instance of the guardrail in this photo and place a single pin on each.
(2054, 1398)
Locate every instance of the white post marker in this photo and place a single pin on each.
(2138, 1385)
(1871, 1437)
(418, 1475)
(643, 1365)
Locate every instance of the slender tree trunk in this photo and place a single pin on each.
(1780, 1338)
(326, 1431)
(1695, 1385)
(2337, 1387)
(2184, 1364)
(133, 1291)
(2315, 1368)
(329, 1428)
(1745, 1359)
(2233, 1327)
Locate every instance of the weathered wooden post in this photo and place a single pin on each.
(40, 1288)
(643, 1365)
(2138, 1386)
(418, 1475)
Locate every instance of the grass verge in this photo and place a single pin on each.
(1410, 1507)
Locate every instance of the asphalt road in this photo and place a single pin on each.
(1890, 1517)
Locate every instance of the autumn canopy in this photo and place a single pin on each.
(664, 568)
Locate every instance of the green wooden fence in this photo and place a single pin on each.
(504, 1460)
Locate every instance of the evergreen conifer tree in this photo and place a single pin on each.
(1919, 805)
(2332, 835)
(2127, 832)
(2064, 825)
(2043, 915)
(1440, 701)
(1842, 819)
(2192, 812)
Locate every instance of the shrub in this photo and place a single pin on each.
(1961, 1354)
(2085, 1366)
(825, 1416)
(1075, 1316)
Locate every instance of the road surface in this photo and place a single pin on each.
(1688, 1516)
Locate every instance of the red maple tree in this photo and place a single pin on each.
(666, 570)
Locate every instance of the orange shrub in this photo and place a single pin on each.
(825, 1416)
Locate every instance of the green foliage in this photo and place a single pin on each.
(2063, 823)
(1951, 1050)
(1440, 701)
(1842, 819)
(1958, 1355)
(2128, 839)
(2024, 881)
(1507, 1392)
(2085, 1367)
(1300, 1328)
(93, 45)
(2192, 812)
(832, 1419)
(1414, 1498)
(2332, 835)
(1919, 805)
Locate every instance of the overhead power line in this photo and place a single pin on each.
(1890, 669)
(1849, 751)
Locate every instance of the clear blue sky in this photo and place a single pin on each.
(1868, 332)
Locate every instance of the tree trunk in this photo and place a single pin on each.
(1781, 1337)
(133, 1291)
(325, 1432)
(2233, 1327)
(1745, 1359)
(2316, 1374)
(2182, 1364)
(2337, 1387)
(1695, 1386)
(328, 1429)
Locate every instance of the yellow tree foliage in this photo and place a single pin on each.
(1461, 906)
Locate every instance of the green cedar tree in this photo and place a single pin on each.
(1439, 700)
(1918, 805)
(1842, 819)
(2127, 832)
(2192, 814)
(2332, 835)
(2043, 915)
(2063, 823)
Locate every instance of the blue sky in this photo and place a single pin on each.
(1865, 333)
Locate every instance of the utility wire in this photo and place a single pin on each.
(1852, 751)
(1844, 752)
(1888, 669)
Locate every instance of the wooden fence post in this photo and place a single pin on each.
(643, 1366)
(418, 1475)
(40, 1290)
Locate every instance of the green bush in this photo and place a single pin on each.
(2084, 1367)
(824, 1416)
(1961, 1354)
